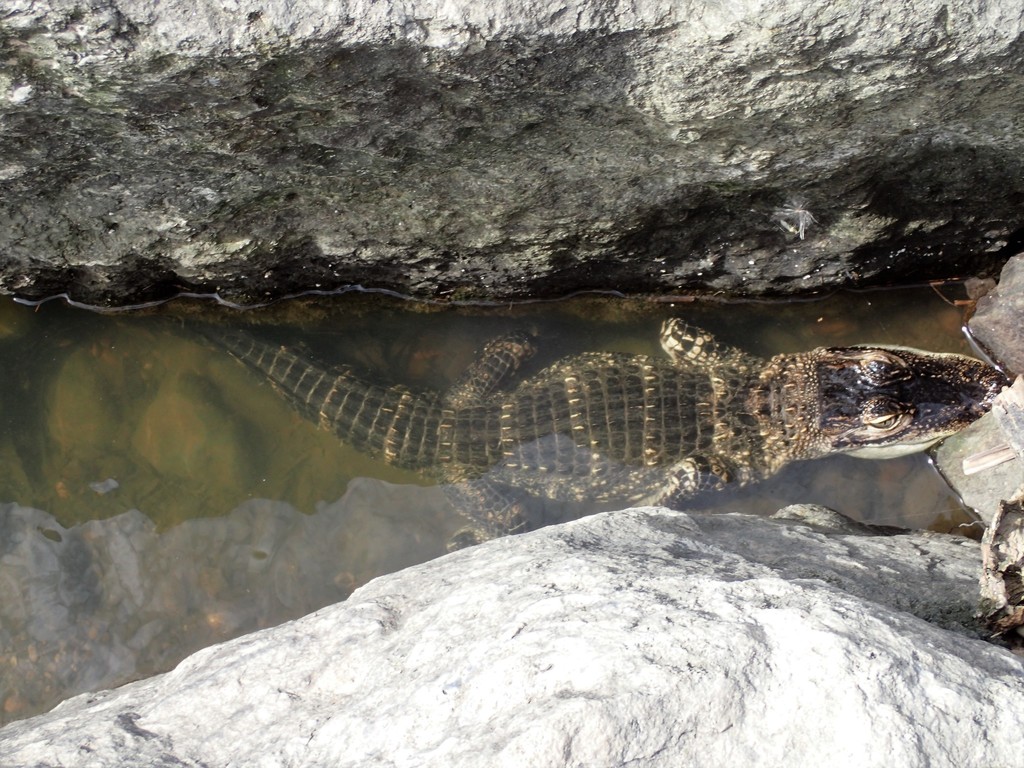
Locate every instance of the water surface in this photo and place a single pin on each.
(159, 497)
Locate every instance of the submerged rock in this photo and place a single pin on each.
(98, 604)
(509, 150)
(643, 637)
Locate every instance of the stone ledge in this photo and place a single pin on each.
(507, 150)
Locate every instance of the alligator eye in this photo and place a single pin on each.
(885, 423)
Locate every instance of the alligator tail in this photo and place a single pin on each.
(392, 423)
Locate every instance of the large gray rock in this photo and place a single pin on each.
(504, 149)
(645, 637)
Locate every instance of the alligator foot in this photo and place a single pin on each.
(690, 346)
(493, 509)
(497, 362)
(468, 536)
(694, 475)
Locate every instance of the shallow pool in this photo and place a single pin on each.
(159, 497)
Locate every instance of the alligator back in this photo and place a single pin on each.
(631, 410)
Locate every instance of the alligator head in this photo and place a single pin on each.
(873, 402)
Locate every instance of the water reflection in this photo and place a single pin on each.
(186, 503)
(103, 602)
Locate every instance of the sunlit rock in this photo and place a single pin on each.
(998, 321)
(641, 637)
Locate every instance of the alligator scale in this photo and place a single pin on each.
(600, 427)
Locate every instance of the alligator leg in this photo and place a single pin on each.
(493, 508)
(697, 474)
(691, 347)
(497, 508)
(496, 363)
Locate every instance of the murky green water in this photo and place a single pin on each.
(158, 497)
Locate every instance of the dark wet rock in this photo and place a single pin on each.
(472, 149)
(643, 637)
(1002, 547)
(1002, 586)
(998, 324)
(998, 320)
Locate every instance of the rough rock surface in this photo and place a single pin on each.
(983, 490)
(510, 149)
(645, 637)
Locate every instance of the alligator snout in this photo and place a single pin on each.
(986, 386)
(955, 389)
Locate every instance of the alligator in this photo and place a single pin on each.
(599, 427)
